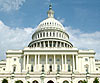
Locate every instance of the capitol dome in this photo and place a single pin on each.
(50, 33)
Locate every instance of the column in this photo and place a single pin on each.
(73, 63)
(62, 63)
(38, 59)
(54, 59)
(77, 63)
(44, 44)
(48, 44)
(56, 43)
(40, 43)
(35, 59)
(46, 59)
(27, 59)
(65, 63)
(52, 43)
(24, 63)
(54, 62)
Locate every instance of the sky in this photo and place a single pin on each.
(19, 19)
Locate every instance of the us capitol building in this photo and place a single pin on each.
(50, 58)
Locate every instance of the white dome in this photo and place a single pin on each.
(51, 22)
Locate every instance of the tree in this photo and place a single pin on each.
(96, 80)
(4, 81)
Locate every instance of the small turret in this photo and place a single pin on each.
(50, 12)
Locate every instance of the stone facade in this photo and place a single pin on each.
(50, 58)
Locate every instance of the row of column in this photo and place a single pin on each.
(74, 64)
(50, 44)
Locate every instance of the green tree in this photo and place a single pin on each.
(4, 81)
(96, 80)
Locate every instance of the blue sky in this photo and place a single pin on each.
(18, 18)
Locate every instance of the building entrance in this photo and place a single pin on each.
(50, 81)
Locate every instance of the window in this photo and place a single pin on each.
(53, 34)
(47, 34)
(38, 44)
(68, 60)
(54, 44)
(41, 44)
(97, 69)
(32, 59)
(57, 34)
(46, 43)
(68, 67)
(86, 69)
(86, 59)
(50, 33)
(38, 35)
(50, 59)
(14, 68)
(14, 59)
(58, 60)
(44, 34)
(50, 68)
(50, 44)
(31, 68)
(4, 69)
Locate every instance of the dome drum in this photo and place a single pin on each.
(50, 43)
(50, 34)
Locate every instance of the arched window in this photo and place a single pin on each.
(53, 34)
(68, 67)
(50, 33)
(50, 81)
(19, 81)
(57, 34)
(43, 34)
(31, 68)
(38, 35)
(35, 81)
(50, 43)
(4, 81)
(50, 68)
(14, 68)
(80, 81)
(65, 81)
(41, 44)
(47, 34)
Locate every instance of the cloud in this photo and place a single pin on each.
(62, 20)
(84, 40)
(11, 38)
(19, 38)
(9, 5)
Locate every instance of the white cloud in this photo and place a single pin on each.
(84, 40)
(13, 38)
(9, 5)
(62, 20)
(18, 38)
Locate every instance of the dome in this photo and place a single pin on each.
(50, 22)
(50, 33)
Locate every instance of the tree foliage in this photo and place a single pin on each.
(4, 81)
(96, 80)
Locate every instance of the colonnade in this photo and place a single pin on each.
(50, 44)
(63, 61)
